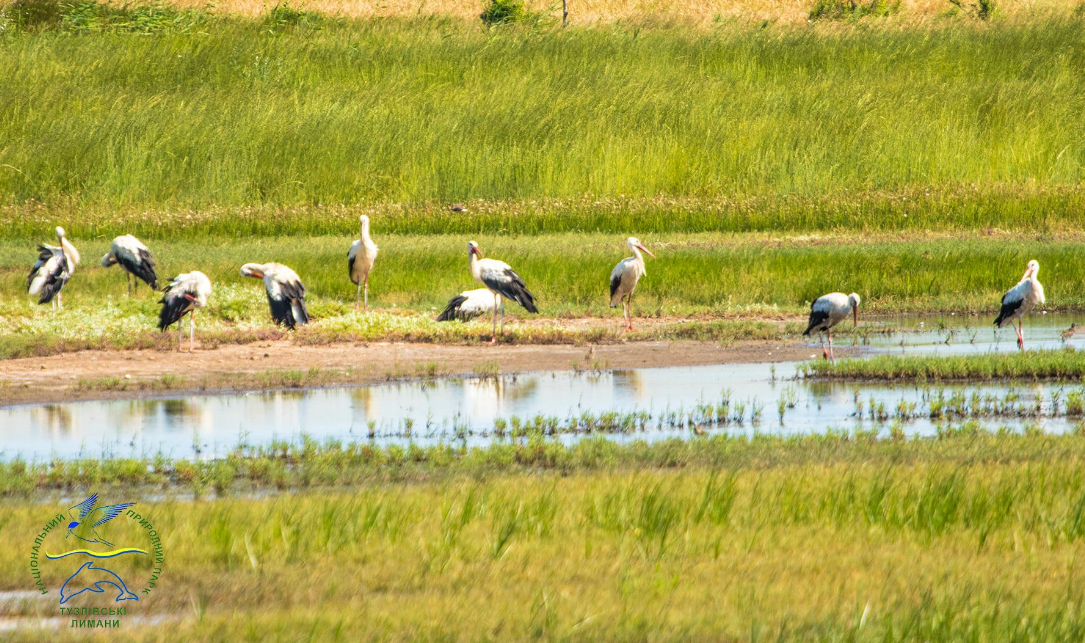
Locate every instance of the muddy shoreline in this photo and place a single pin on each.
(100, 375)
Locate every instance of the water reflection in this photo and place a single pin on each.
(456, 408)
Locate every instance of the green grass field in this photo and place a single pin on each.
(222, 140)
(966, 538)
(703, 275)
(238, 113)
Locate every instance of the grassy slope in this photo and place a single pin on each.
(816, 539)
(420, 111)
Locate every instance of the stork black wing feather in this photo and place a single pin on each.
(452, 310)
(54, 280)
(817, 318)
(1007, 310)
(350, 266)
(514, 288)
(615, 282)
(281, 311)
(143, 270)
(173, 309)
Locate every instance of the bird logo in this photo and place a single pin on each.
(86, 518)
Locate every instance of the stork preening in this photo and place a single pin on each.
(360, 258)
(624, 278)
(828, 311)
(134, 258)
(468, 305)
(1020, 300)
(183, 295)
(285, 292)
(502, 281)
(52, 270)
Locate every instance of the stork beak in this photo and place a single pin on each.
(646, 250)
(189, 297)
(855, 315)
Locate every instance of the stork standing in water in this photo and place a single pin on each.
(502, 281)
(469, 304)
(828, 311)
(135, 258)
(1020, 300)
(624, 278)
(285, 292)
(183, 295)
(52, 270)
(360, 258)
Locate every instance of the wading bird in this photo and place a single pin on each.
(469, 304)
(624, 278)
(502, 281)
(828, 311)
(53, 270)
(1020, 300)
(135, 258)
(360, 258)
(183, 295)
(285, 292)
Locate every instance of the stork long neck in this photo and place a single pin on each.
(639, 259)
(365, 232)
(476, 270)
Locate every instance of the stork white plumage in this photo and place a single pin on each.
(502, 281)
(134, 258)
(285, 292)
(183, 295)
(360, 259)
(624, 278)
(1020, 300)
(828, 311)
(53, 269)
(468, 305)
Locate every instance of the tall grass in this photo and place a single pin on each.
(431, 111)
(811, 539)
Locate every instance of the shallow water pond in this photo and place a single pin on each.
(648, 403)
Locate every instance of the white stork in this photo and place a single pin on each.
(183, 295)
(285, 292)
(360, 258)
(52, 270)
(624, 278)
(502, 281)
(469, 304)
(135, 258)
(828, 311)
(1020, 300)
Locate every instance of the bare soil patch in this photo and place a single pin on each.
(73, 376)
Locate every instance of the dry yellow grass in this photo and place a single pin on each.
(595, 12)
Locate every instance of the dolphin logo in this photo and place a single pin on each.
(94, 578)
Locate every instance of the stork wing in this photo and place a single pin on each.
(109, 512)
(84, 507)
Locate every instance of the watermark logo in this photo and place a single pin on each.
(123, 548)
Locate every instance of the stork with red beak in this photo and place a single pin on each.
(1020, 300)
(624, 278)
(828, 311)
(502, 281)
(285, 292)
(183, 295)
